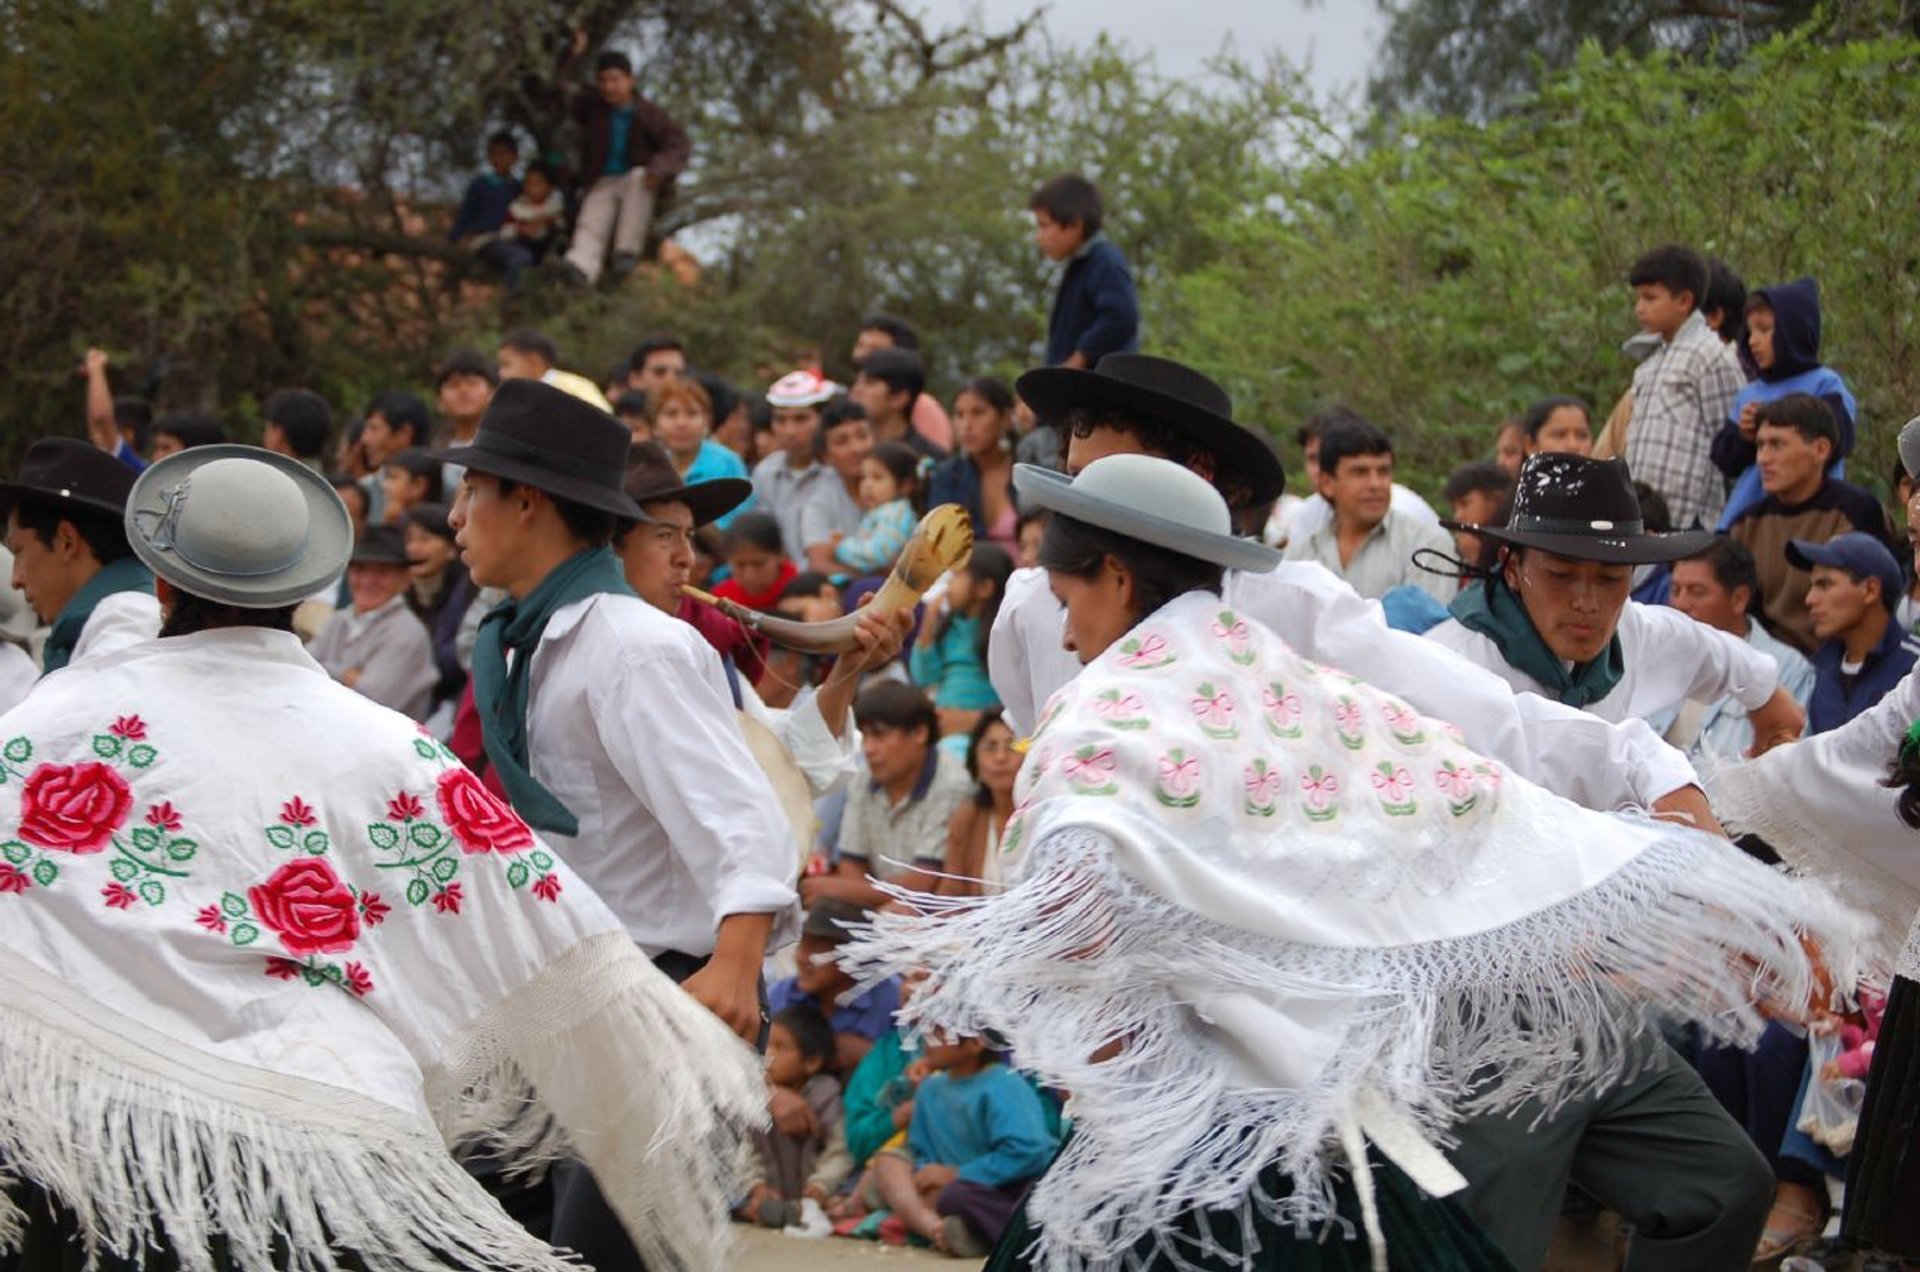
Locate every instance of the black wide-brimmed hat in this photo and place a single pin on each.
(380, 545)
(543, 437)
(651, 477)
(1584, 509)
(1142, 386)
(64, 472)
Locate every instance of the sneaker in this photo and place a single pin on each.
(961, 1241)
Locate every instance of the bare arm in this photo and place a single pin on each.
(100, 422)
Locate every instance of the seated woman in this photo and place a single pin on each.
(1274, 930)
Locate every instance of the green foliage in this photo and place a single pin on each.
(1443, 279)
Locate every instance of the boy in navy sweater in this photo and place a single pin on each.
(1096, 311)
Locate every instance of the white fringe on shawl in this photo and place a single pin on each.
(147, 1140)
(1077, 956)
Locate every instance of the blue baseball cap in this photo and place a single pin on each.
(1859, 553)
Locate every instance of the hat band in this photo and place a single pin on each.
(1570, 525)
(556, 462)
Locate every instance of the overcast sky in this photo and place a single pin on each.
(1335, 38)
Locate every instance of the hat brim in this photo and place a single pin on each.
(1044, 488)
(329, 532)
(708, 500)
(1053, 391)
(13, 494)
(475, 458)
(1638, 549)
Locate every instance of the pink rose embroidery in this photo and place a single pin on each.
(404, 807)
(211, 918)
(12, 880)
(163, 817)
(547, 887)
(132, 728)
(477, 818)
(118, 896)
(307, 906)
(357, 981)
(73, 807)
(373, 909)
(296, 812)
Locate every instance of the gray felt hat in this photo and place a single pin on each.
(1153, 500)
(239, 525)
(1910, 447)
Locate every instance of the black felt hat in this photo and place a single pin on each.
(1584, 509)
(651, 477)
(1142, 386)
(379, 545)
(542, 437)
(64, 472)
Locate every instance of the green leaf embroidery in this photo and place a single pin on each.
(153, 892)
(141, 756)
(541, 861)
(245, 934)
(182, 849)
(15, 851)
(417, 892)
(146, 838)
(124, 869)
(427, 750)
(424, 834)
(19, 750)
(234, 904)
(517, 874)
(106, 746)
(315, 843)
(45, 872)
(280, 836)
(383, 835)
(444, 868)
(313, 975)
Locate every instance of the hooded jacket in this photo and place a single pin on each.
(1796, 369)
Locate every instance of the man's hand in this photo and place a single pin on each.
(902, 1115)
(881, 637)
(95, 362)
(1749, 423)
(729, 985)
(1689, 807)
(1077, 360)
(1779, 719)
(791, 1113)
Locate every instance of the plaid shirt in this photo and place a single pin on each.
(1680, 396)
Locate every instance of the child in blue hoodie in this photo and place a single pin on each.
(1783, 335)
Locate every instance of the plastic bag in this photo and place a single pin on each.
(1830, 1113)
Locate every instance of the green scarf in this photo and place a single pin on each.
(1493, 610)
(123, 575)
(500, 690)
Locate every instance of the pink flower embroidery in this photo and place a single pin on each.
(1455, 783)
(118, 896)
(447, 900)
(163, 816)
(1088, 767)
(1282, 706)
(404, 807)
(307, 906)
(373, 909)
(1262, 786)
(1214, 708)
(73, 807)
(282, 968)
(295, 812)
(478, 818)
(211, 919)
(132, 728)
(359, 983)
(12, 880)
(547, 887)
(1179, 775)
(1319, 787)
(1346, 714)
(1151, 652)
(1393, 783)
(1233, 630)
(1113, 703)
(1401, 719)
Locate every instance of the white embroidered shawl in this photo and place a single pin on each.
(1302, 911)
(270, 950)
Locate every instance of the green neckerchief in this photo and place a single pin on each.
(123, 575)
(500, 689)
(1493, 610)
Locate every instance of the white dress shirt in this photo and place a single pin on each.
(631, 726)
(119, 621)
(1720, 731)
(1384, 559)
(1313, 512)
(1669, 658)
(1570, 752)
(18, 672)
(826, 761)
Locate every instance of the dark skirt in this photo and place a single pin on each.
(1433, 1235)
(1883, 1173)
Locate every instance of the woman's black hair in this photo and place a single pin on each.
(1540, 412)
(189, 614)
(758, 530)
(903, 462)
(982, 797)
(993, 392)
(1077, 549)
(812, 1032)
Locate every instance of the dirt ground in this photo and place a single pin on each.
(758, 1250)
